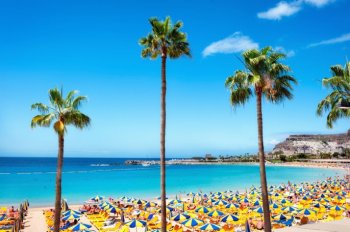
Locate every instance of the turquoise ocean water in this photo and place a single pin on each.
(34, 179)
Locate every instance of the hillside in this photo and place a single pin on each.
(314, 144)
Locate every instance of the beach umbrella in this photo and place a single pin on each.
(230, 218)
(232, 206)
(174, 202)
(97, 198)
(257, 203)
(247, 226)
(136, 223)
(64, 205)
(210, 227)
(150, 204)
(80, 226)
(113, 209)
(192, 222)
(336, 208)
(70, 217)
(318, 205)
(275, 206)
(69, 212)
(215, 213)
(289, 209)
(168, 209)
(221, 202)
(202, 210)
(306, 212)
(280, 217)
(180, 217)
(259, 210)
(138, 201)
(284, 201)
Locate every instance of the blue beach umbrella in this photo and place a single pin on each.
(180, 217)
(69, 212)
(230, 218)
(306, 212)
(247, 226)
(192, 222)
(210, 227)
(80, 227)
(289, 209)
(221, 202)
(259, 210)
(202, 210)
(136, 223)
(215, 213)
(232, 206)
(71, 217)
(97, 198)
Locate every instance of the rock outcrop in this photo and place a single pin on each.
(314, 144)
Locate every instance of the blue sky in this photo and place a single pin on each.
(92, 46)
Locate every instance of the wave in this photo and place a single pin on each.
(77, 171)
(100, 165)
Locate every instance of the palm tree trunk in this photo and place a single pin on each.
(263, 182)
(162, 143)
(58, 183)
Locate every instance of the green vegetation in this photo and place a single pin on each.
(165, 40)
(264, 76)
(63, 112)
(339, 84)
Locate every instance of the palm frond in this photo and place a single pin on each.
(165, 39)
(43, 120)
(42, 108)
(56, 98)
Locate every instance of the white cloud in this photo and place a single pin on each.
(289, 53)
(285, 9)
(340, 39)
(318, 3)
(282, 9)
(232, 44)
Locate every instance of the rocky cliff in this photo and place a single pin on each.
(314, 144)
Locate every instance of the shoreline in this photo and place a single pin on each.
(310, 165)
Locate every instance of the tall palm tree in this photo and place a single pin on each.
(62, 112)
(339, 83)
(165, 40)
(264, 76)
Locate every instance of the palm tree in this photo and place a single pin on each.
(265, 76)
(62, 112)
(165, 40)
(337, 102)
